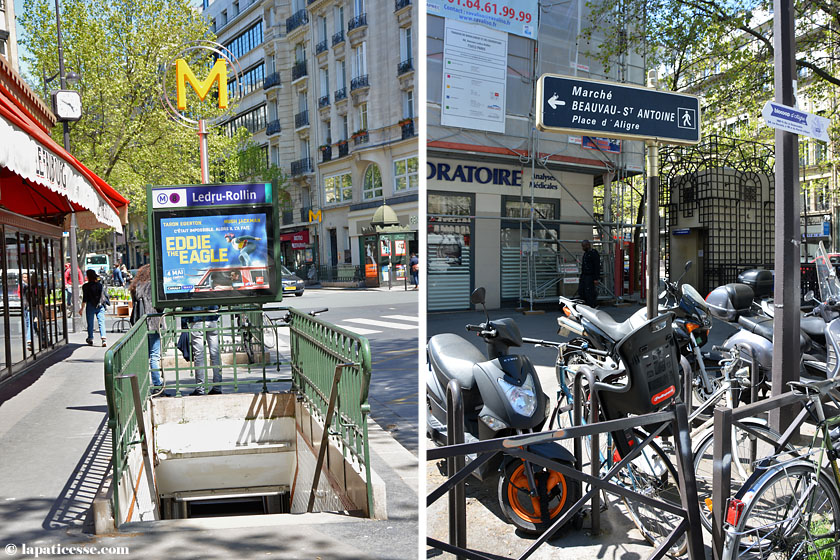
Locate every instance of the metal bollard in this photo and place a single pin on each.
(458, 495)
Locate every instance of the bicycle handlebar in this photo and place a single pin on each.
(315, 312)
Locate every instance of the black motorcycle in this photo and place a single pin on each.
(502, 396)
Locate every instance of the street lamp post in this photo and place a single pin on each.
(74, 265)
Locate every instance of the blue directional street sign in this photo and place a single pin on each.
(597, 108)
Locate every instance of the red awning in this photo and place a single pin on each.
(38, 178)
(298, 239)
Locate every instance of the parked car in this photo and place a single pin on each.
(291, 282)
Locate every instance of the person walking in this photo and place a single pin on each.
(92, 306)
(590, 274)
(68, 284)
(414, 267)
(141, 295)
(117, 276)
(22, 293)
(204, 330)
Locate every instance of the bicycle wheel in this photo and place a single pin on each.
(742, 462)
(269, 332)
(791, 512)
(652, 474)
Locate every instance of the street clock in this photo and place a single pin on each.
(67, 105)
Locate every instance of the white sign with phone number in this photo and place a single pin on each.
(511, 16)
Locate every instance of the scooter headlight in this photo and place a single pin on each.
(523, 399)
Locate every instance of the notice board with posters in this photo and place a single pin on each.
(214, 244)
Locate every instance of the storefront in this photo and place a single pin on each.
(479, 230)
(386, 247)
(41, 185)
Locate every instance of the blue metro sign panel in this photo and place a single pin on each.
(597, 108)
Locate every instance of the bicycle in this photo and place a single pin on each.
(790, 507)
(652, 473)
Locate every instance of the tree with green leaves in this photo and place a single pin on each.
(119, 48)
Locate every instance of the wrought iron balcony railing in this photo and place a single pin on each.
(338, 38)
(359, 82)
(299, 18)
(301, 167)
(405, 66)
(343, 149)
(340, 94)
(299, 70)
(272, 80)
(321, 47)
(400, 4)
(323, 101)
(326, 154)
(407, 130)
(358, 21)
(302, 119)
(273, 128)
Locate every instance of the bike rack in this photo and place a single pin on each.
(517, 446)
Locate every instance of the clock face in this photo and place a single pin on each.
(67, 105)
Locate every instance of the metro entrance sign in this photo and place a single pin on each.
(593, 107)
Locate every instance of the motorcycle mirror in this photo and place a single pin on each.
(809, 296)
(477, 296)
(688, 265)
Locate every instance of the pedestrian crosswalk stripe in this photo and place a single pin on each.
(358, 330)
(385, 324)
(414, 318)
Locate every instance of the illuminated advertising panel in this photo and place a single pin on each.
(214, 244)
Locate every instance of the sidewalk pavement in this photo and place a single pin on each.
(487, 527)
(55, 449)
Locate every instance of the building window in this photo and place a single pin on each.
(252, 80)
(300, 53)
(254, 120)
(322, 29)
(325, 82)
(405, 43)
(373, 182)
(345, 128)
(408, 104)
(363, 116)
(342, 74)
(405, 174)
(360, 60)
(250, 39)
(338, 188)
(358, 7)
(339, 19)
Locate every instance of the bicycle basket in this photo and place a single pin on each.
(652, 359)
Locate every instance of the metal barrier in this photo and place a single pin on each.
(517, 446)
(330, 368)
(128, 358)
(333, 364)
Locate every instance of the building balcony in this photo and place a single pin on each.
(400, 4)
(302, 119)
(299, 19)
(321, 47)
(323, 101)
(272, 80)
(361, 138)
(357, 22)
(301, 167)
(273, 128)
(326, 153)
(304, 213)
(340, 94)
(407, 129)
(359, 82)
(288, 217)
(343, 148)
(405, 66)
(338, 38)
(299, 70)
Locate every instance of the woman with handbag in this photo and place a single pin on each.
(141, 295)
(94, 302)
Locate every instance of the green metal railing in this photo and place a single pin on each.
(130, 355)
(328, 361)
(330, 368)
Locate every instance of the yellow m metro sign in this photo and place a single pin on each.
(315, 216)
(184, 74)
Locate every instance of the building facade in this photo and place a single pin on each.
(329, 95)
(508, 206)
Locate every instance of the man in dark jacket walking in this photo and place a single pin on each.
(590, 274)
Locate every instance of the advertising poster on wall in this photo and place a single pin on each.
(399, 247)
(385, 247)
(214, 253)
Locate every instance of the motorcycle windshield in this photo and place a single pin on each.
(827, 275)
(692, 296)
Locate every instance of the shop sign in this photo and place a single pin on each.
(514, 16)
(299, 239)
(200, 195)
